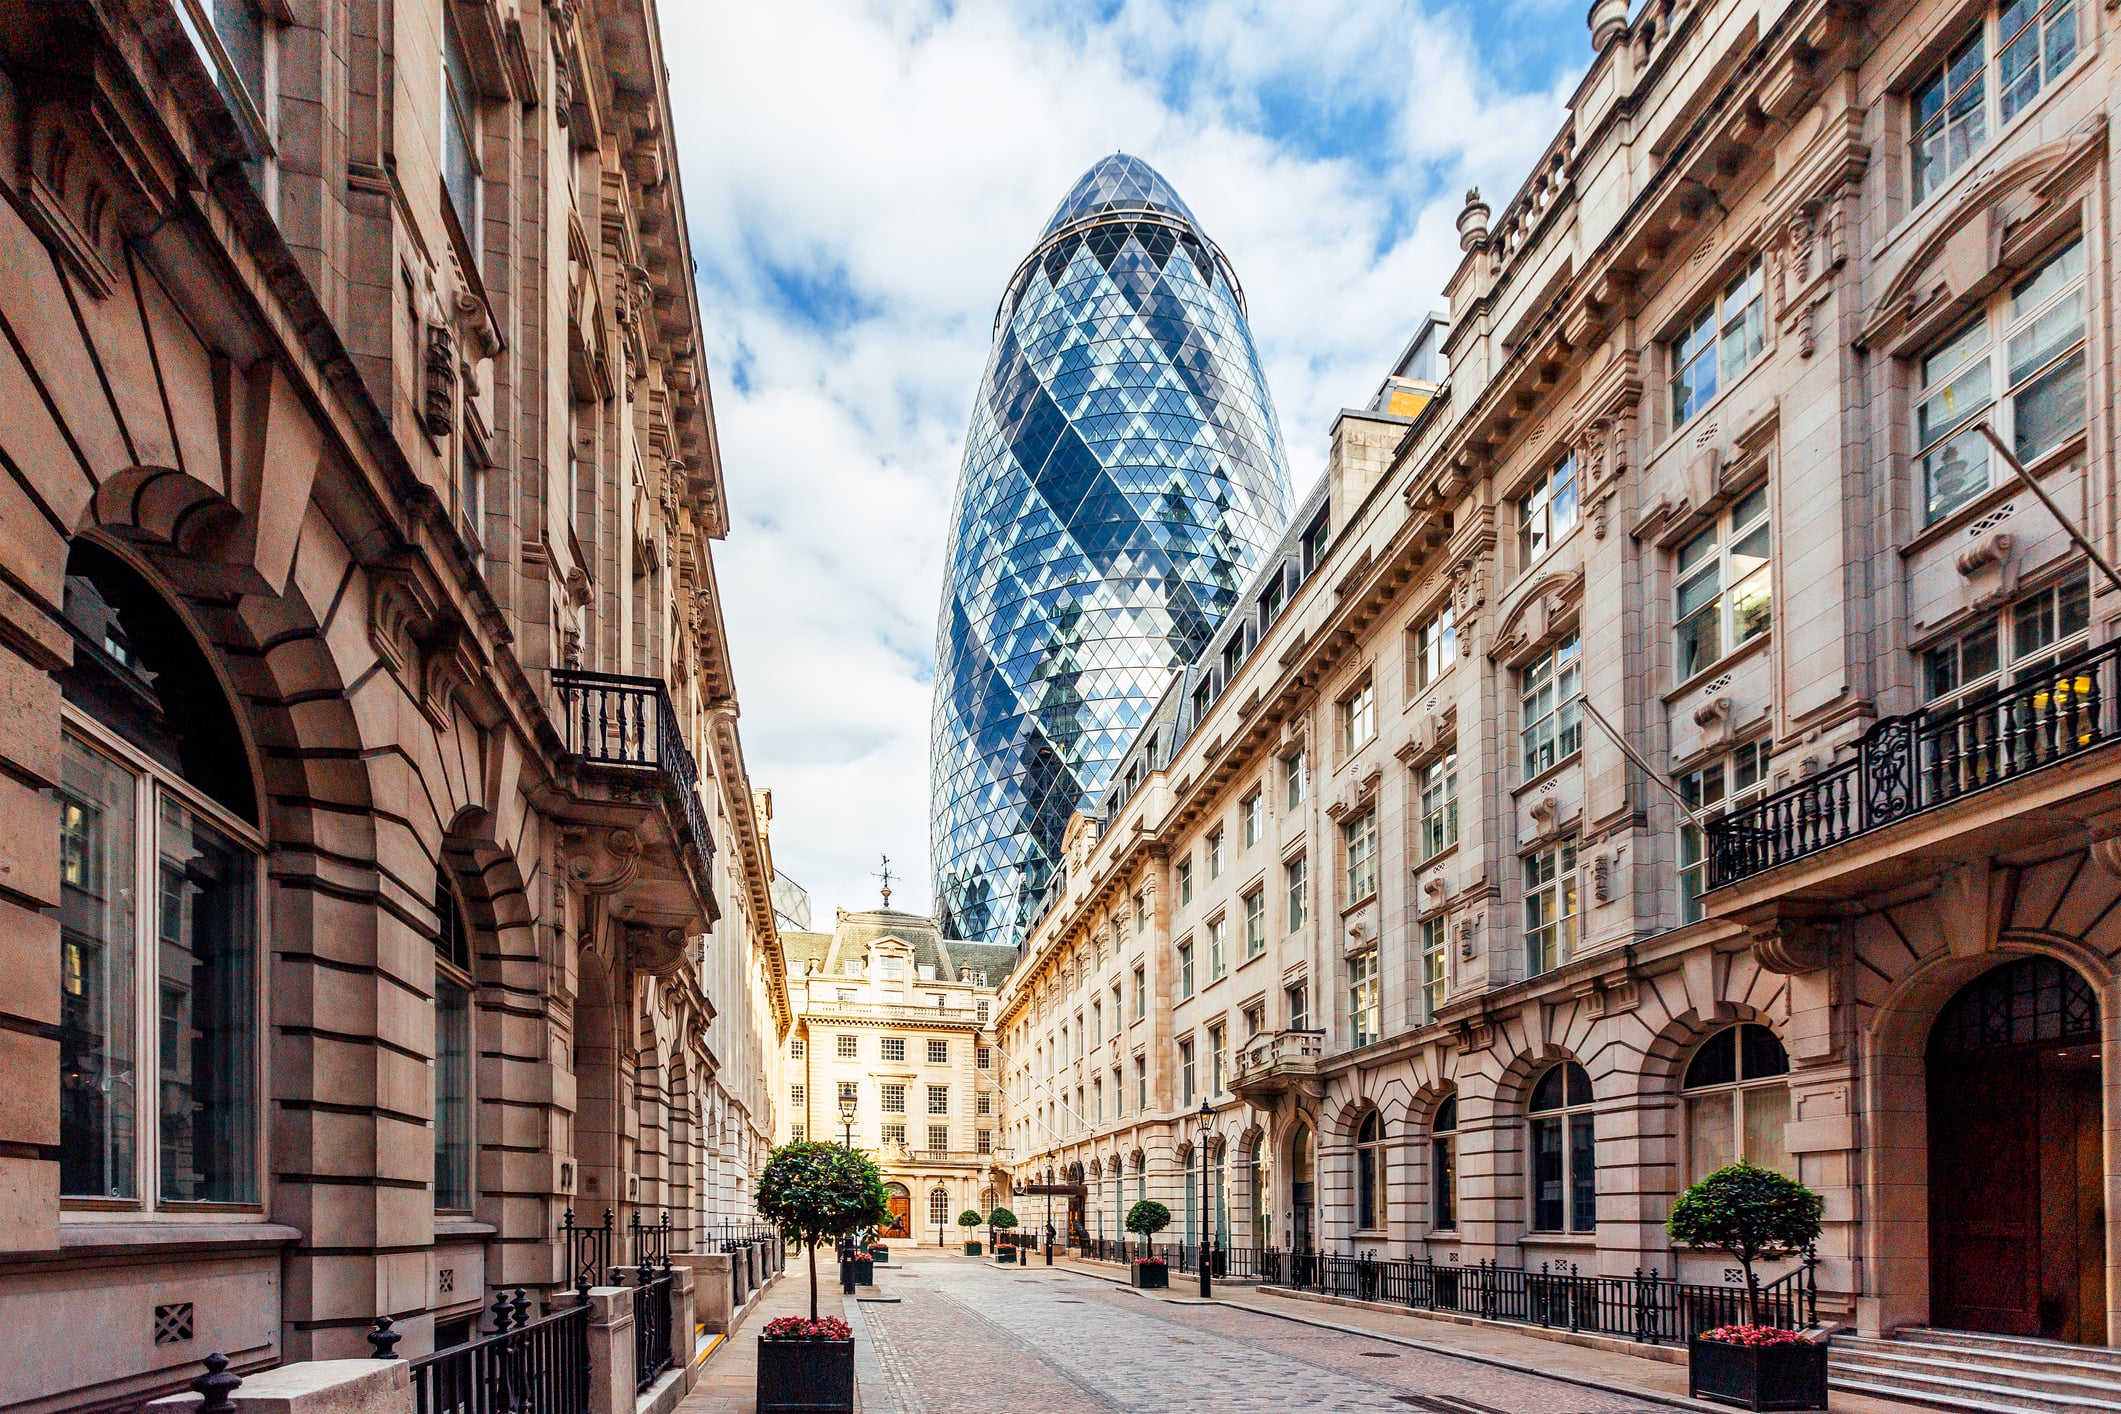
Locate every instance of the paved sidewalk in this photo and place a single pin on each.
(728, 1380)
(1497, 1344)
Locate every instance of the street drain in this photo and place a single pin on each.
(1380, 1354)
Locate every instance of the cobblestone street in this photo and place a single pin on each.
(968, 1336)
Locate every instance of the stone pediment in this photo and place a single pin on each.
(1543, 612)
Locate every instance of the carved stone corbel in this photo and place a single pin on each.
(601, 859)
(1792, 943)
(660, 952)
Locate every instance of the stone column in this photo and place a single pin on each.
(611, 1350)
(712, 1288)
(683, 1300)
(321, 1387)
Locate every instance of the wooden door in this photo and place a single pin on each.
(901, 1206)
(1984, 1183)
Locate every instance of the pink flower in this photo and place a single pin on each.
(1751, 1335)
(803, 1328)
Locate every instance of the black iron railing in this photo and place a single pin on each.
(1645, 1306)
(587, 1250)
(1906, 765)
(1182, 1257)
(651, 1242)
(651, 1326)
(611, 720)
(526, 1366)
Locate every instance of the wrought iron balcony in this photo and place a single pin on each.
(1276, 1061)
(1905, 766)
(635, 787)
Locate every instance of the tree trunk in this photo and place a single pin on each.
(813, 1278)
(1752, 1296)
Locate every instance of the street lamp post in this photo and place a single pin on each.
(1049, 1215)
(1207, 1214)
(848, 1102)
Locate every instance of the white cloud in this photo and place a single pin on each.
(893, 163)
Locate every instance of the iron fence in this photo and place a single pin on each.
(609, 719)
(587, 1251)
(651, 1326)
(525, 1366)
(1908, 764)
(1645, 1306)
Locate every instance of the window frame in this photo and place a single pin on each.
(1731, 789)
(1550, 871)
(1984, 43)
(1358, 716)
(1443, 1164)
(151, 783)
(1184, 950)
(1433, 943)
(1744, 1088)
(1365, 998)
(1571, 1122)
(1432, 646)
(1550, 712)
(1436, 785)
(1372, 1154)
(1726, 570)
(1714, 322)
(1296, 888)
(1252, 818)
(1360, 869)
(1547, 510)
(1255, 913)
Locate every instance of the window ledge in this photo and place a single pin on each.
(1756, 644)
(455, 1227)
(88, 1237)
(1565, 1239)
(1534, 782)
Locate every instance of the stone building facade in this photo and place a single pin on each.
(893, 1050)
(383, 875)
(1460, 978)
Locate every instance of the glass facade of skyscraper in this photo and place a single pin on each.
(1122, 477)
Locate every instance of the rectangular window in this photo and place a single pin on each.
(1549, 907)
(1185, 882)
(1215, 853)
(1433, 647)
(1097, 1100)
(894, 1099)
(1439, 805)
(984, 1142)
(2017, 645)
(460, 133)
(1255, 1019)
(1299, 1000)
(453, 1102)
(939, 1138)
(1185, 969)
(1119, 1093)
(98, 977)
(1185, 1074)
(1141, 993)
(1218, 948)
(797, 1049)
(1218, 1050)
(1546, 512)
(796, 1133)
(979, 1010)
(1549, 688)
(1949, 108)
(894, 1047)
(1712, 791)
(849, 1047)
(1719, 341)
(938, 1099)
(1359, 840)
(1726, 594)
(1292, 780)
(895, 1134)
(795, 1095)
(1365, 1017)
(938, 1053)
(1358, 718)
(1255, 923)
(983, 1057)
(1252, 817)
(1298, 885)
(1141, 911)
(985, 1103)
(1443, 1174)
(1141, 1083)
(2029, 342)
(1434, 965)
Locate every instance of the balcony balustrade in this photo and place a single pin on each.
(1925, 761)
(1275, 1062)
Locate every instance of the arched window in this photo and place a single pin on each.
(1564, 1152)
(1219, 1177)
(1443, 1165)
(1192, 1182)
(1737, 1102)
(1370, 1173)
(160, 909)
(938, 1209)
(1256, 1176)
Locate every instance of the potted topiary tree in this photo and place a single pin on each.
(816, 1193)
(1146, 1219)
(969, 1220)
(1754, 1215)
(1003, 1221)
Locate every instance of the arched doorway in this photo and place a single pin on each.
(2017, 1228)
(1078, 1234)
(900, 1203)
(1258, 1177)
(1303, 1189)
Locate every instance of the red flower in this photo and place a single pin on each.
(1751, 1335)
(803, 1328)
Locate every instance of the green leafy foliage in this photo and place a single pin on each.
(968, 1218)
(1002, 1218)
(820, 1193)
(1148, 1217)
(1754, 1214)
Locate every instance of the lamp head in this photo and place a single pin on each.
(1207, 1118)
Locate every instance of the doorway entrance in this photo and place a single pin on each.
(2017, 1228)
(901, 1205)
(1302, 1189)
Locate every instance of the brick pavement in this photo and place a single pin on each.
(970, 1336)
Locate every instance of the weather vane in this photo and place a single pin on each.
(885, 874)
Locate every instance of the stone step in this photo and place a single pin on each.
(1934, 1399)
(2021, 1344)
(1956, 1376)
(2041, 1360)
(1920, 1364)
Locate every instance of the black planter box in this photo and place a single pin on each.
(1005, 1254)
(1152, 1275)
(864, 1271)
(806, 1375)
(882, 1254)
(972, 1249)
(1787, 1376)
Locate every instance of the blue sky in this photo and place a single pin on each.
(862, 178)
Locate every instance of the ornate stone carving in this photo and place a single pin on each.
(1792, 943)
(438, 394)
(601, 859)
(660, 952)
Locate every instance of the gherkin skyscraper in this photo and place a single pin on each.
(1122, 477)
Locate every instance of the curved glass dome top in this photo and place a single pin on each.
(1117, 183)
(1123, 476)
